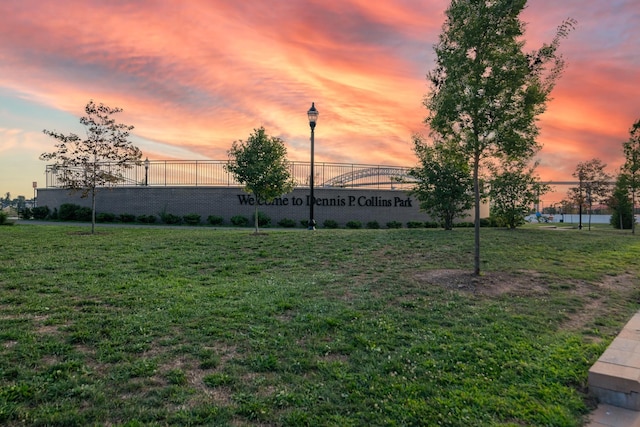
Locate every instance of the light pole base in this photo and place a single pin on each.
(311, 225)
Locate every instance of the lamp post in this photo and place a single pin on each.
(312, 114)
(146, 171)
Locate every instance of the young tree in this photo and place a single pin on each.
(20, 202)
(486, 92)
(260, 164)
(593, 186)
(444, 187)
(631, 167)
(620, 203)
(567, 206)
(513, 190)
(98, 160)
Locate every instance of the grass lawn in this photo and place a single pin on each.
(202, 326)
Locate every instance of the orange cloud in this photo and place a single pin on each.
(194, 76)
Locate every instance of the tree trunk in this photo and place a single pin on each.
(476, 191)
(621, 227)
(93, 210)
(633, 211)
(255, 218)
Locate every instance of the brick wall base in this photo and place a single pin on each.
(337, 204)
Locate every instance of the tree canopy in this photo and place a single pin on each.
(631, 167)
(513, 190)
(593, 185)
(260, 164)
(98, 160)
(621, 205)
(486, 91)
(444, 186)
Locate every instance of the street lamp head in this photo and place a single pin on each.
(146, 162)
(313, 115)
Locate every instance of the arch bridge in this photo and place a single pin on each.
(372, 176)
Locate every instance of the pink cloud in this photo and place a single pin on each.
(198, 75)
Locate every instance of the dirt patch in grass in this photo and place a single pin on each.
(47, 330)
(487, 284)
(531, 283)
(86, 233)
(595, 295)
(334, 357)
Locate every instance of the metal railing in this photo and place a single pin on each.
(212, 173)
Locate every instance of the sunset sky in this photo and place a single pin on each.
(193, 76)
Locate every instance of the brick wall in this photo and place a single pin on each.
(338, 204)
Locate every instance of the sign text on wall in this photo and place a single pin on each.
(359, 201)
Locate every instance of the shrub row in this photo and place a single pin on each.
(4, 218)
(71, 212)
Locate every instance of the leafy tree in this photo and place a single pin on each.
(98, 160)
(486, 92)
(631, 167)
(6, 202)
(260, 165)
(568, 206)
(513, 190)
(593, 186)
(620, 203)
(20, 202)
(444, 186)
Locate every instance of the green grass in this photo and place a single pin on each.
(153, 326)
